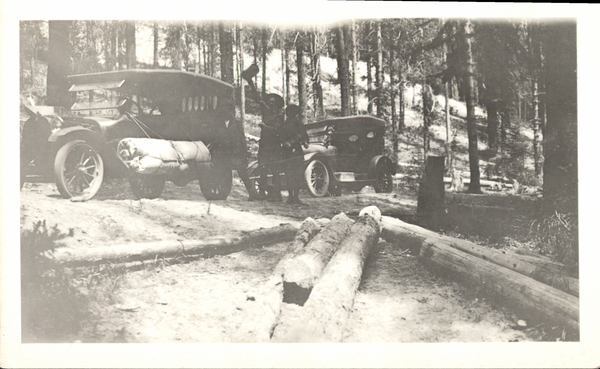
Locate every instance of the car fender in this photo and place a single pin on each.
(380, 160)
(114, 165)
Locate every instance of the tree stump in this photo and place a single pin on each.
(430, 201)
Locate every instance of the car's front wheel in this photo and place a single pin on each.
(384, 181)
(317, 178)
(216, 185)
(79, 170)
(146, 186)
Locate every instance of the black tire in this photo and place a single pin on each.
(384, 182)
(317, 178)
(216, 185)
(146, 186)
(79, 170)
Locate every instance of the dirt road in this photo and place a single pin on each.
(206, 300)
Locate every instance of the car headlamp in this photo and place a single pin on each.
(56, 123)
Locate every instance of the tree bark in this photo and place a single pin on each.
(560, 139)
(226, 48)
(354, 90)
(530, 297)
(393, 90)
(492, 126)
(265, 45)
(326, 312)
(59, 63)
(258, 326)
(343, 69)
(155, 44)
(218, 245)
(315, 56)
(240, 48)
(301, 77)
(301, 272)
(430, 206)
(413, 237)
(379, 73)
(474, 186)
(212, 54)
(130, 45)
(369, 67)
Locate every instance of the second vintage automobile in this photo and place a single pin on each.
(176, 115)
(347, 153)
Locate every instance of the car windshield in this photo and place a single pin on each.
(106, 103)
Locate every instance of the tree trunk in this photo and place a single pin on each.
(427, 101)
(369, 67)
(288, 73)
(155, 44)
(354, 90)
(198, 65)
(326, 312)
(315, 57)
(301, 272)
(413, 237)
(226, 48)
(531, 298)
(258, 326)
(560, 139)
(301, 77)
(342, 66)
(536, 130)
(212, 52)
(218, 245)
(379, 73)
(394, 117)
(240, 48)
(265, 45)
(474, 185)
(492, 126)
(447, 113)
(130, 45)
(401, 115)
(59, 63)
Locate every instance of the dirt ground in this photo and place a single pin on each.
(206, 300)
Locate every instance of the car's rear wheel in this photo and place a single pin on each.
(384, 181)
(146, 186)
(317, 178)
(79, 170)
(216, 184)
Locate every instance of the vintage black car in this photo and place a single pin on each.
(345, 153)
(80, 147)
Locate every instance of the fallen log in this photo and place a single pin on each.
(301, 272)
(530, 297)
(210, 246)
(258, 326)
(326, 312)
(412, 236)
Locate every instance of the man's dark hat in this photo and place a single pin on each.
(274, 101)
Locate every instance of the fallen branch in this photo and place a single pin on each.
(210, 246)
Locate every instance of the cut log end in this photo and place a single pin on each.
(295, 294)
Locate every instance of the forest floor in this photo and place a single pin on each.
(206, 300)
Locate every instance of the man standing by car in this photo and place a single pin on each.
(269, 146)
(234, 142)
(293, 136)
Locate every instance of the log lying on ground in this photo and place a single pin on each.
(210, 246)
(301, 272)
(258, 326)
(412, 236)
(326, 312)
(534, 298)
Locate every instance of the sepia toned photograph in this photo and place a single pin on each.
(358, 180)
